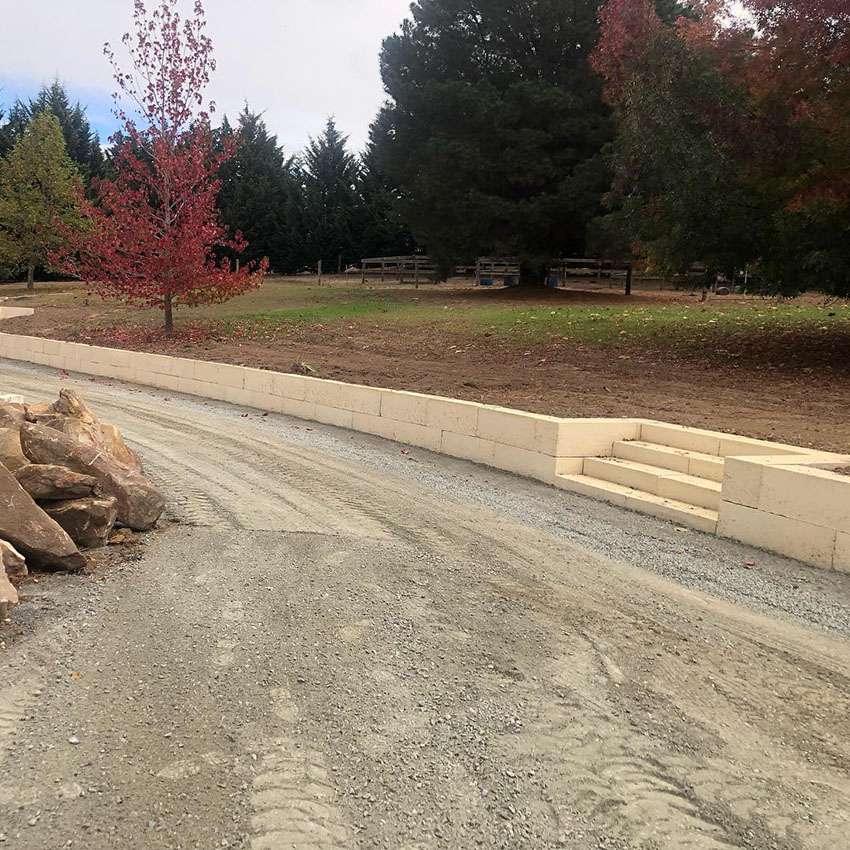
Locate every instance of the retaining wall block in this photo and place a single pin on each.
(524, 462)
(319, 391)
(404, 406)
(360, 399)
(811, 495)
(332, 415)
(841, 561)
(468, 448)
(448, 414)
(742, 481)
(594, 437)
(423, 436)
(509, 427)
(804, 541)
(377, 425)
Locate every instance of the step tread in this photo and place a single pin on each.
(618, 462)
(703, 518)
(672, 450)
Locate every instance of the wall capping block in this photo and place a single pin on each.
(782, 498)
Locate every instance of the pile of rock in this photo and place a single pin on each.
(66, 479)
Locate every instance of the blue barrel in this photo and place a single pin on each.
(553, 281)
(511, 280)
(486, 281)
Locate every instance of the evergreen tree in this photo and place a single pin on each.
(382, 229)
(39, 193)
(83, 145)
(495, 125)
(330, 175)
(260, 195)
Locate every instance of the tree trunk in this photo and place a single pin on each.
(169, 315)
(30, 277)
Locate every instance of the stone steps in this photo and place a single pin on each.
(683, 461)
(681, 485)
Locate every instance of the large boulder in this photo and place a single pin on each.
(12, 561)
(88, 522)
(8, 595)
(72, 416)
(139, 503)
(25, 525)
(11, 564)
(12, 415)
(116, 446)
(70, 404)
(11, 455)
(55, 483)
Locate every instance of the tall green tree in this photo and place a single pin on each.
(260, 194)
(383, 232)
(82, 142)
(330, 174)
(494, 126)
(39, 196)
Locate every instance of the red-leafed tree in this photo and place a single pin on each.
(154, 231)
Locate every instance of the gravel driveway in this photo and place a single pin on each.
(333, 644)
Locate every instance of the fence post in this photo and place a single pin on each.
(319, 269)
(363, 273)
(629, 271)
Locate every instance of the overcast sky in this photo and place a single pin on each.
(298, 60)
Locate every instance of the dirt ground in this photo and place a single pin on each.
(791, 389)
(335, 646)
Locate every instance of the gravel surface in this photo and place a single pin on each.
(332, 644)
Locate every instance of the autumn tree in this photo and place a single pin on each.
(39, 192)
(156, 238)
(732, 137)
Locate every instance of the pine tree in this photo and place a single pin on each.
(39, 193)
(494, 127)
(83, 145)
(330, 174)
(260, 195)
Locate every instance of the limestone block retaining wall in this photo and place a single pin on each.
(795, 506)
(525, 443)
(781, 498)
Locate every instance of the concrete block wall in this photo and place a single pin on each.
(528, 444)
(796, 506)
(777, 497)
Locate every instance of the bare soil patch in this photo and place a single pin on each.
(788, 385)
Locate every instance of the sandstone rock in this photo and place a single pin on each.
(25, 525)
(13, 563)
(116, 446)
(70, 404)
(12, 415)
(8, 595)
(87, 521)
(139, 503)
(55, 483)
(103, 437)
(36, 412)
(11, 455)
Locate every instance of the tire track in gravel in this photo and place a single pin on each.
(646, 714)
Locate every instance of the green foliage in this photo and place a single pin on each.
(260, 194)
(330, 175)
(38, 196)
(494, 126)
(677, 188)
(83, 145)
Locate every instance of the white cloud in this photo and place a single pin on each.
(299, 60)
